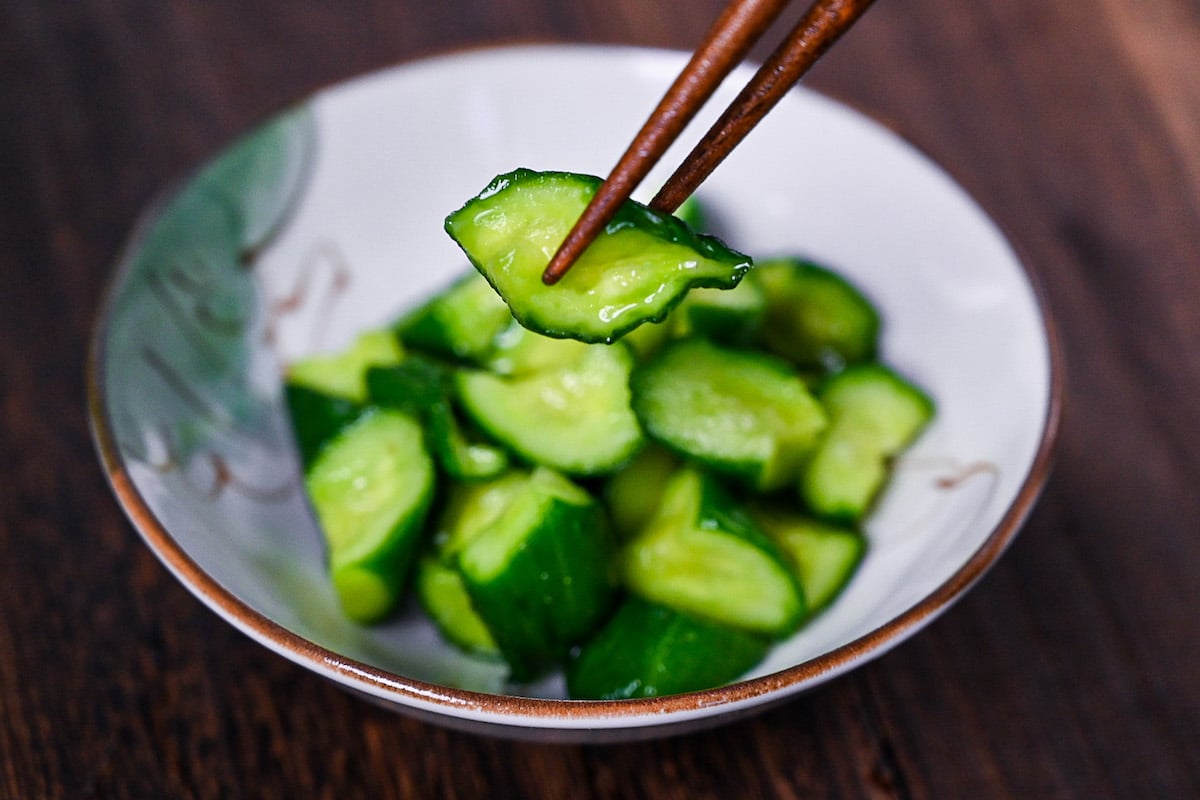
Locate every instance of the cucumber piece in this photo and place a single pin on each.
(650, 650)
(423, 387)
(728, 316)
(342, 374)
(472, 508)
(316, 417)
(815, 317)
(574, 418)
(824, 556)
(370, 488)
(519, 351)
(444, 597)
(737, 412)
(874, 414)
(634, 493)
(540, 577)
(635, 271)
(702, 555)
(458, 323)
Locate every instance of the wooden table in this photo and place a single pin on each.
(1071, 671)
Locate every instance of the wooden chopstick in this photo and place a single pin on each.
(741, 24)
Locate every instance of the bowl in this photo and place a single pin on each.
(327, 219)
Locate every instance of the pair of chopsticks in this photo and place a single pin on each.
(740, 25)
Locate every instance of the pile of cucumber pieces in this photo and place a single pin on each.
(650, 514)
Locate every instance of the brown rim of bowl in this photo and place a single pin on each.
(538, 712)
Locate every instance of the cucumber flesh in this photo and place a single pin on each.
(342, 374)
(703, 556)
(650, 650)
(874, 415)
(736, 412)
(633, 495)
(444, 597)
(824, 556)
(371, 488)
(635, 271)
(574, 418)
(519, 351)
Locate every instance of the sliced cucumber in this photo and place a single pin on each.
(472, 508)
(459, 323)
(424, 388)
(316, 418)
(635, 271)
(874, 414)
(634, 494)
(702, 555)
(370, 488)
(342, 374)
(825, 556)
(729, 316)
(540, 577)
(574, 418)
(650, 650)
(445, 599)
(519, 351)
(815, 317)
(737, 412)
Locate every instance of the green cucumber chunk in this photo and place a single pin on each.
(815, 317)
(444, 597)
(825, 556)
(737, 412)
(874, 414)
(702, 555)
(574, 418)
(316, 418)
(342, 374)
(634, 493)
(729, 316)
(540, 576)
(459, 322)
(519, 351)
(424, 387)
(471, 508)
(371, 488)
(635, 271)
(650, 650)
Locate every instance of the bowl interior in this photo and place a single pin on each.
(328, 220)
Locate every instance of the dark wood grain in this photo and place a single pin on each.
(1071, 671)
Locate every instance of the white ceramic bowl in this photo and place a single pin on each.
(328, 220)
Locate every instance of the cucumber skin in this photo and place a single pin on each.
(316, 418)
(437, 326)
(650, 650)
(425, 387)
(554, 590)
(814, 316)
